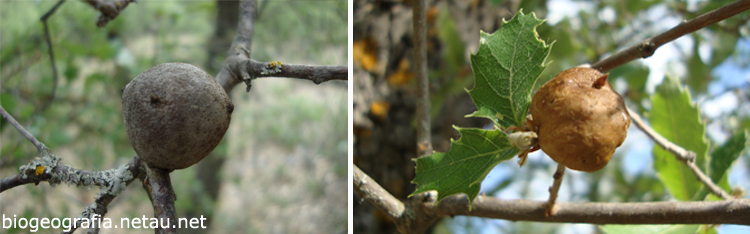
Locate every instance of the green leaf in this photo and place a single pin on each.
(721, 159)
(465, 165)
(724, 156)
(675, 117)
(506, 67)
(649, 229)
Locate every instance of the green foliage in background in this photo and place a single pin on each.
(649, 229)
(678, 120)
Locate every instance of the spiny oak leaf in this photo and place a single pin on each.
(676, 118)
(506, 66)
(464, 166)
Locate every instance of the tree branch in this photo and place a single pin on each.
(423, 211)
(162, 197)
(647, 47)
(48, 168)
(232, 71)
(409, 218)
(683, 155)
(733, 211)
(424, 145)
(558, 176)
(98, 209)
(238, 67)
(315, 73)
(372, 192)
(39, 146)
(109, 10)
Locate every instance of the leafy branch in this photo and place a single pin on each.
(414, 215)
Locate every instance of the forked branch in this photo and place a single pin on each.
(238, 67)
(647, 47)
(685, 156)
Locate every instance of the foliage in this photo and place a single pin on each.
(675, 118)
(680, 105)
(505, 68)
(464, 166)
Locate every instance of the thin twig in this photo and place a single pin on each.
(550, 208)
(424, 145)
(39, 146)
(48, 39)
(688, 157)
(647, 47)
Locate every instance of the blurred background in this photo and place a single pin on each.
(713, 63)
(282, 166)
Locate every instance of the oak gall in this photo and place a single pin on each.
(580, 119)
(175, 114)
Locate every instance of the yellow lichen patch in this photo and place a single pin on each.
(39, 170)
(276, 64)
(364, 52)
(403, 75)
(380, 109)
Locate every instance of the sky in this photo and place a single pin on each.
(637, 157)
